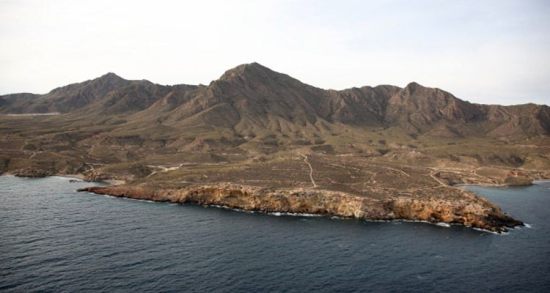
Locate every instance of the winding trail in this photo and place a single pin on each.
(397, 170)
(310, 171)
(432, 174)
(163, 169)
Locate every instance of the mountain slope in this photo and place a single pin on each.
(253, 100)
(108, 94)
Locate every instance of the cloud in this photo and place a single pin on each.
(490, 51)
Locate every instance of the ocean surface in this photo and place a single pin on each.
(54, 239)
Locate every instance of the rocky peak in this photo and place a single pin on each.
(110, 76)
(416, 93)
(252, 73)
(413, 86)
(414, 89)
(104, 84)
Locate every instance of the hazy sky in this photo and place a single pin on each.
(481, 51)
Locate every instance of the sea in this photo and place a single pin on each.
(53, 239)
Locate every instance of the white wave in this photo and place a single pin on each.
(228, 208)
(382, 221)
(489, 231)
(278, 214)
(442, 224)
(527, 225)
(414, 221)
(67, 178)
(134, 199)
(303, 215)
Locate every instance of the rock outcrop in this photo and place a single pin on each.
(33, 173)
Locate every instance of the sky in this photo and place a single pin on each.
(493, 52)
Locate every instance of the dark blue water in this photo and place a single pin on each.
(54, 239)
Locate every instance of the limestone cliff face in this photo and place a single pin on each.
(468, 209)
(477, 212)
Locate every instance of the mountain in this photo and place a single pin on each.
(109, 92)
(252, 100)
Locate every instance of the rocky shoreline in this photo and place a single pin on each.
(467, 209)
(448, 204)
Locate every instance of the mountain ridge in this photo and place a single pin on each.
(252, 96)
